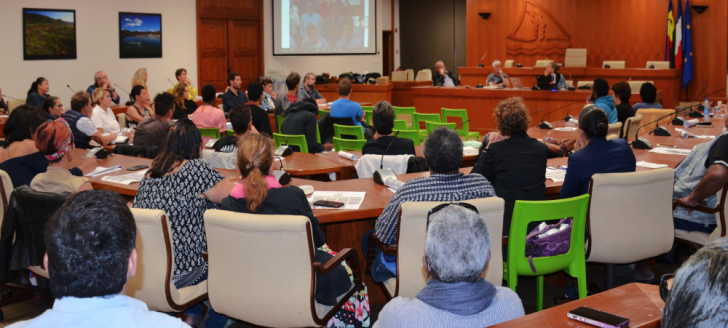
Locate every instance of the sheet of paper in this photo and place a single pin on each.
(351, 199)
(566, 129)
(120, 139)
(651, 165)
(470, 150)
(103, 170)
(557, 175)
(694, 135)
(126, 178)
(670, 151)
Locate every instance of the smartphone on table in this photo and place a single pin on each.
(328, 203)
(138, 167)
(598, 318)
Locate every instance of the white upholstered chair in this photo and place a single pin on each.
(13, 103)
(410, 248)
(631, 126)
(584, 83)
(575, 58)
(424, 75)
(261, 269)
(398, 76)
(541, 63)
(614, 130)
(569, 83)
(6, 189)
(636, 85)
(410, 74)
(152, 283)
(121, 117)
(652, 114)
(508, 63)
(658, 64)
(617, 64)
(629, 218)
(698, 239)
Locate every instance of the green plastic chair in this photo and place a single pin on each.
(210, 132)
(322, 112)
(573, 262)
(293, 140)
(464, 131)
(413, 135)
(407, 111)
(230, 133)
(279, 120)
(349, 130)
(368, 116)
(434, 125)
(318, 134)
(348, 144)
(420, 117)
(401, 125)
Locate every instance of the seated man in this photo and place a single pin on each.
(457, 252)
(383, 121)
(153, 131)
(284, 103)
(648, 93)
(443, 152)
(308, 89)
(302, 120)
(235, 95)
(90, 256)
(600, 96)
(260, 118)
(497, 78)
(241, 120)
(343, 107)
(207, 115)
(442, 77)
(697, 180)
(102, 81)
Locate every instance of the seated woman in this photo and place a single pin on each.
(185, 106)
(260, 193)
(53, 108)
(269, 97)
(553, 71)
(648, 93)
(140, 78)
(513, 162)
(103, 117)
(79, 119)
(182, 185)
(38, 92)
(55, 142)
(138, 111)
(20, 157)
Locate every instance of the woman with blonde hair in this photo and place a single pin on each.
(103, 117)
(260, 193)
(140, 78)
(185, 106)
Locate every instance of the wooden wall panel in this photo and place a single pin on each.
(212, 53)
(633, 31)
(244, 46)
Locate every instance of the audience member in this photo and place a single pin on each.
(383, 122)
(553, 71)
(261, 120)
(54, 140)
(700, 290)
(343, 107)
(53, 108)
(103, 117)
(497, 78)
(441, 77)
(79, 119)
(648, 93)
(140, 78)
(90, 255)
(283, 104)
(234, 95)
(622, 93)
(242, 122)
(302, 120)
(513, 162)
(181, 75)
(178, 165)
(260, 193)
(3, 103)
(443, 152)
(457, 252)
(138, 111)
(269, 97)
(101, 80)
(185, 106)
(153, 131)
(38, 93)
(601, 98)
(209, 116)
(308, 89)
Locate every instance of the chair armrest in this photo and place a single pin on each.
(352, 259)
(375, 242)
(676, 203)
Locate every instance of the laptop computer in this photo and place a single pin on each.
(544, 82)
(515, 83)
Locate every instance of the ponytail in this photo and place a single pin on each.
(34, 86)
(255, 158)
(256, 189)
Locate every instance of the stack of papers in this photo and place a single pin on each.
(126, 178)
(120, 140)
(103, 170)
(470, 150)
(352, 200)
(566, 129)
(651, 165)
(557, 175)
(670, 151)
(695, 136)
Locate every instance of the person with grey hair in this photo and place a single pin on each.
(101, 80)
(442, 77)
(700, 290)
(308, 89)
(456, 295)
(443, 152)
(497, 78)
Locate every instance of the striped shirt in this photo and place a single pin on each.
(436, 188)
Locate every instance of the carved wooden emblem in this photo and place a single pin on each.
(537, 32)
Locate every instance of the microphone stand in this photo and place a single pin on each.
(170, 82)
(282, 176)
(610, 58)
(642, 143)
(547, 125)
(694, 113)
(70, 88)
(383, 174)
(481, 60)
(572, 87)
(652, 66)
(480, 86)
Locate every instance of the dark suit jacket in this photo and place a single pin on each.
(599, 156)
(401, 146)
(439, 80)
(516, 167)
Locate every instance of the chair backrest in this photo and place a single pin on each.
(222, 108)
(569, 83)
(526, 212)
(292, 140)
(424, 75)
(425, 117)
(462, 114)
(399, 76)
(121, 117)
(412, 233)
(618, 64)
(280, 119)
(652, 114)
(6, 189)
(584, 83)
(720, 218)
(640, 226)
(353, 131)
(631, 126)
(245, 285)
(368, 113)
(658, 64)
(636, 85)
(321, 113)
(413, 135)
(145, 151)
(400, 125)
(541, 63)
(210, 132)
(614, 129)
(410, 74)
(508, 63)
(13, 103)
(348, 144)
(575, 58)
(405, 113)
(434, 125)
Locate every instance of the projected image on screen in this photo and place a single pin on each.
(305, 27)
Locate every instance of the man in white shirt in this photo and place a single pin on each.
(103, 117)
(90, 255)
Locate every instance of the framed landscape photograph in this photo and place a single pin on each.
(49, 34)
(140, 35)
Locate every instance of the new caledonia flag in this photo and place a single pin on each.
(669, 45)
(687, 48)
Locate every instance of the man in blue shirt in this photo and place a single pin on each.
(102, 81)
(234, 96)
(347, 108)
(601, 97)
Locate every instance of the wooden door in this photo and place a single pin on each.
(212, 59)
(387, 53)
(245, 50)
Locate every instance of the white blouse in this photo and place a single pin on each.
(105, 119)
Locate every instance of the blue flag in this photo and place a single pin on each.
(687, 47)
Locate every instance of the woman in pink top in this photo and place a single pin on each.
(207, 115)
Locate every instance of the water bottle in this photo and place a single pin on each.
(706, 110)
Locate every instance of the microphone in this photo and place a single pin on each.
(282, 176)
(630, 79)
(608, 59)
(642, 143)
(572, 87)
(283, 150)
(547, 125)
(457, 127)
(70, 88)
(652, 66)
(127, 92)
(170, 81)
(481, 60)
(568, 117)
(5, 96)
(536, 112)
(383, 174)
(692, 112)
(480, 86)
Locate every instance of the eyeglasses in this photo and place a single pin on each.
(664, 289)
(441, 206)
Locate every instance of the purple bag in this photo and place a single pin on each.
(556, 244)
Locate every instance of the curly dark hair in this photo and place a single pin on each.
(511, 116)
